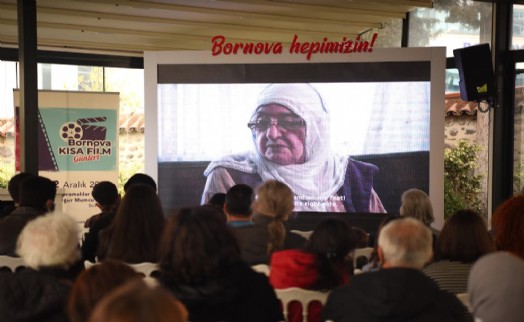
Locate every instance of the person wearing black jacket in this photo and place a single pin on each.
(400, 291)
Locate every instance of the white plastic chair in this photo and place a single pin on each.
(144, 268)
(261, 268)
(464, 298)
(13, 263)
(304, 297)
(305, 234)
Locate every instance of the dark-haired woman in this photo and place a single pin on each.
(200, 264)
(463, 239)
(322, 265)
(134, 235)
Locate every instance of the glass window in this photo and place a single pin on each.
(517, 38)
(451, 25)
(518, 168)
(389, 34)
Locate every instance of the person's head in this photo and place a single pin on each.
(49, 241)
(14, 185)
(464, 238)
(196, 244)
(275, 199)
(38, 192)
(93, 284)
(217, 200)
(137, 302)
(361, 237)
(290, 124)
(508, 225)
(140, 178)
(331, 238)
(416, 204)
(136, 229)
(238, 200)
(106, 195)
(332, 241)
(405, 242)
(496, 287)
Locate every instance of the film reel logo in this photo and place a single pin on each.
(71, 130)
(83, 129)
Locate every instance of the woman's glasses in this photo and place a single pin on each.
(288, 123)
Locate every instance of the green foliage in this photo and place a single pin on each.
(126, 170)
(461, 184)
(7, 171)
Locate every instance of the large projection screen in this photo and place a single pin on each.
(384, 109)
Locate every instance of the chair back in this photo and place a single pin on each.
(304, 297)
(14, 264)
(305, 234)
(464, 298)
(145, 268)
(261, 268)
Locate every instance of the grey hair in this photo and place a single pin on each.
(49, 240)
(416, 204)
(406, 242)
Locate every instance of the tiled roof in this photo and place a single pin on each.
(456, 106)
(127, 123)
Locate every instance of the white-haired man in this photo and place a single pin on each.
(48, 246)
(399, 291)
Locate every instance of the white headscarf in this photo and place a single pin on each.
(322, 173)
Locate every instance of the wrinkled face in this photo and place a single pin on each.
(280, 134)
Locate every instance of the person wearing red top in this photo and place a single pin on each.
(322, 265)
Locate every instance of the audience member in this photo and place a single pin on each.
(496, 287)
(200, 264)
(14, 191)
(37, 195)
(374, 262)
(361, 237)
(508, 226)
(272, 207)
(93, 284)
(237, 206)
(134, 234)
(48, 246)
(137, 302)
(140, 178)
(107, 198)
(218, 200)
(463, 239)
(399, 291)
(416, 204)
(323, 264)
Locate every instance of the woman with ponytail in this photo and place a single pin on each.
(273, 204)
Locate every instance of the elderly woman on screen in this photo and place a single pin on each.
(290, 129)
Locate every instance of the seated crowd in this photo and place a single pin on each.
(205, 258)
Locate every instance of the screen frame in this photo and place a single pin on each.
(436, 56)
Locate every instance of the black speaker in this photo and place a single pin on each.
(477, 80)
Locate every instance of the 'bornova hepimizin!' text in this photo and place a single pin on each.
(345, 46)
